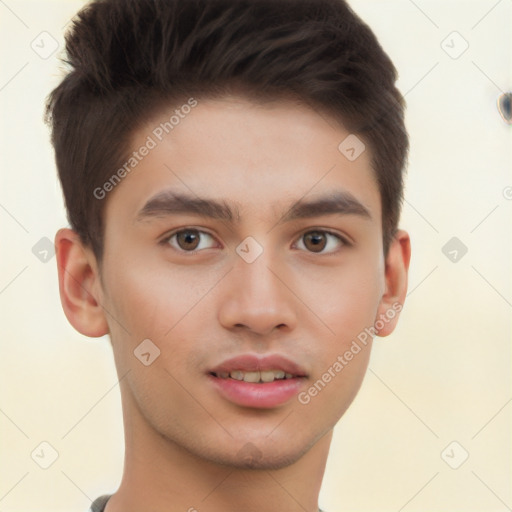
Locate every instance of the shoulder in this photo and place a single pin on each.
(98, 505)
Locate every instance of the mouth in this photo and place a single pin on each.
(261, 377)
(258, 382)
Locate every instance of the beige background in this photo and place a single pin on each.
(443, 376)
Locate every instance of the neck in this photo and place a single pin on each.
(161, 476)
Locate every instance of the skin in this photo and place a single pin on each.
(186, 445)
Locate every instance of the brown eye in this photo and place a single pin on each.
(316, 241)
(188, 240)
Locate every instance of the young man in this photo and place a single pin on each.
(233, 174)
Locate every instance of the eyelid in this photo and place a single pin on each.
(165, 239)
(345, 241)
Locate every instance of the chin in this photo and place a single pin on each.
(260, 455)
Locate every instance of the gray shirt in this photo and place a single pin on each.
(98, 505)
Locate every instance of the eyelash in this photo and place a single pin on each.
(165, 241)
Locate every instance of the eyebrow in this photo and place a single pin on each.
(169, 203)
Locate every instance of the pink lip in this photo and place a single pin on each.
(254, 363)
(258, 395)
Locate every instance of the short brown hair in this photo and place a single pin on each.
(129, 58)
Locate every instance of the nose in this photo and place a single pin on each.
(257, 296)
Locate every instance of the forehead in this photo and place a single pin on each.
(257, 156)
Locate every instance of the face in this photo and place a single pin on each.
(244, 245)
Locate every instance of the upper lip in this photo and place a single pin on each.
(255, 363)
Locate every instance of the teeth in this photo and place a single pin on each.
(251, 376)
(263, 376)
(268, 376)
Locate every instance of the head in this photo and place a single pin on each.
(228, 117)
(160, 53)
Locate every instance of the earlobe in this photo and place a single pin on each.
(79, 284)
(397, 267)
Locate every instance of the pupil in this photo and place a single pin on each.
(188, 237)
(317, 240)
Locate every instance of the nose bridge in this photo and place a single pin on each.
(257, 297)
(259, 277)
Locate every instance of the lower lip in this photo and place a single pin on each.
(263, 395)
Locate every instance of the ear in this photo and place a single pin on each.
(396, 272)
(79, 284)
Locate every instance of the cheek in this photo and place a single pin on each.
(345, 301)
(160, 304)
(156, 306)
(347, 308)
